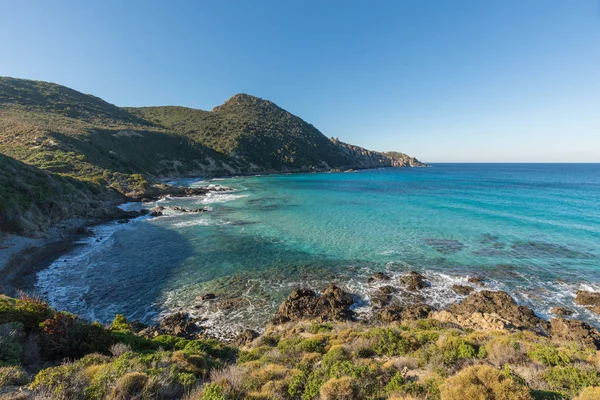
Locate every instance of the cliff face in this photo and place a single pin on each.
(364, 158)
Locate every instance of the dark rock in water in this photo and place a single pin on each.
(333, 304)
(123, 221)
(387, 289)
(380, 298)
(246, 337)
(543, 249)
(562, 311)
(414, 281)
(574, 331)
(501, 304)
(590, 300)
(475, 279)
(462, 289)
(445, 246)
(379, 276)
(82, 230)
(177, 208)
(209, 296)
(156, 211)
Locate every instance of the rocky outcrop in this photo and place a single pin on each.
(395, 313)
(567, 330)
(246, 337)
(562, 311)
(414, 281)
(487, 310)
(364, 158)
(462, 289)
(179, 324)
(333, 304)
(590, 300)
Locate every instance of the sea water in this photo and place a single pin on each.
(530, 229)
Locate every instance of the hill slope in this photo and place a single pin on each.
(81, 136)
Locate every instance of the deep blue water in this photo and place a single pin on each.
(530, 229)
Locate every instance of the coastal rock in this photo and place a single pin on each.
(395, 313)
(462, 289)
(477, 320)
(590, 300)
(181, 325)
(379, 276)
(481, 307)
(333, 304)
(417, 311)
(562, 311)
(566, 330)
(390, 314)
(156, 211)
(414, 281)
(246, 337)
(208, 296)
(475, 279)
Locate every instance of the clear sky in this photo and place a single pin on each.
(481, 80)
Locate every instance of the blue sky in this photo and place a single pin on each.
(496, 80)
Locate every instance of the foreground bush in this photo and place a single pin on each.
(482, 382)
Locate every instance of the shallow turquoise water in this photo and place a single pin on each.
(531, 229)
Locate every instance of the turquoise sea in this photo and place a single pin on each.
(530, 229)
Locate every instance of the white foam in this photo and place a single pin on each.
(200, 222)
(214, 197)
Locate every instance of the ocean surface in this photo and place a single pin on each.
(530, 229)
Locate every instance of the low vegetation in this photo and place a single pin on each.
(53, 354)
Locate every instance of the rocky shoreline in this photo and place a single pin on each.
(483, 310)
(23, 257)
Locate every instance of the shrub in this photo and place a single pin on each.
(65, 336)
(549, 355)
(63, 382)
(214, 391)
(570, 380)
(12, 376)
(118, 349)
(312, 346)
(120, 323)
(389, 342)
(483, 382)
(590, 393)
(320, 328)
(395, 384)
(232, 374)
(10, 344)
(338, 389)
(503, 350)
(31, 311)
(130, 386)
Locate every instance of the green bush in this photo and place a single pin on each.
(214, 391)
(389, 342)
(120, 323)
(13, 376)
(549, 355)
(312, 346)
(482, 382)
(569, 380)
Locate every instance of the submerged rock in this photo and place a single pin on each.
(208, 296)
(574, 330)
(333, 304)
(445, 246)
(414, 281)
(476, 279)
(379, 276)
(493, 310)
(462, 289)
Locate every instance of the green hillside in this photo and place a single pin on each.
(81, 136)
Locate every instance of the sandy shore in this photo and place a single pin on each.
(22, 257)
